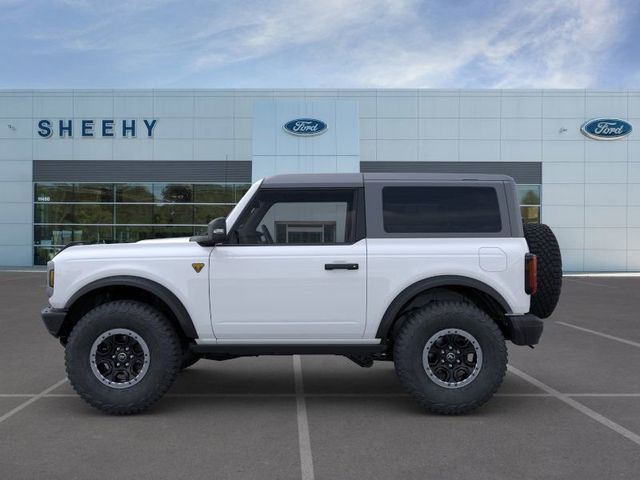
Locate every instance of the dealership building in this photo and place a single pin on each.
(124, 165)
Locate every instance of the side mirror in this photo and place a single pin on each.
(217, 230)
(216, 233)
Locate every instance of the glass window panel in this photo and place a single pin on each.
(281, 233)
(170, 213)
(316, 232)
(330, 233)
(203, 214)
(134, 192)
(41, 255)
(303, 214)
(171, 232)
(48, 235)
(200, 230)
(141, 214)
(440, 209)
(73, 213)
(93, 192)
(529, 194)
(241, 189)
(530, 214)
(92, 234)
(53, 213)
(86, 212)
(93, 213)
(173, 192)
(133, 233)
(213, 193)
(53, 192)
(60, 235)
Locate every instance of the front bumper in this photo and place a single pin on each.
(524, 329)
(53, 319)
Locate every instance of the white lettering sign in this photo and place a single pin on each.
(305, 126)
(608, 128)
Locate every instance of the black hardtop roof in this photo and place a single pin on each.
(358, 179)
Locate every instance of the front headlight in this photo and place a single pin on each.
(51, 276)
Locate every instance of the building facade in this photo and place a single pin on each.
(124, 165)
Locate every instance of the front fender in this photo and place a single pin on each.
(166, 295)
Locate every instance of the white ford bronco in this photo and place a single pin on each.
(431, 271)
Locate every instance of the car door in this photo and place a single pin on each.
(294, 268)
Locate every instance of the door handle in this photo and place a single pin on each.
(341, 266)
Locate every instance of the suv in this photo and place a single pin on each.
(432, 272)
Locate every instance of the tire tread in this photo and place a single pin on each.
(163, 328)
(542, 242)
(402, 362)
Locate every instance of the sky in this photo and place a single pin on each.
(320, 44)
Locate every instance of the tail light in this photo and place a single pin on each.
(530, 273)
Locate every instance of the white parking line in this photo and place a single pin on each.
(304, 439)
(31, 400)
(604, 395)
(600, 334)
(634, 437)
(24, 271)
(327, 395)
(604, 274)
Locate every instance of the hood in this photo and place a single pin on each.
(165, 240)
(157, 248)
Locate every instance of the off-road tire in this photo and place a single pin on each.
(542, 242)
(165, 356)
(410, 343)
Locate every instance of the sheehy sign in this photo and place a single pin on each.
(128, 128)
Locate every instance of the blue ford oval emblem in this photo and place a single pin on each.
(606, 128)
(305, 126)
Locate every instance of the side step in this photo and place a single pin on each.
(247, 350)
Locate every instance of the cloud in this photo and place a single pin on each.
(546, 44)
(559, 45)
(343, 43)
(278, 27)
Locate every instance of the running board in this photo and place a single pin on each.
(289, 349)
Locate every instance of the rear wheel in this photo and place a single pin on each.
(122, 356)
(451, 357)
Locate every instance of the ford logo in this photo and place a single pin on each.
(305, 127)
(606, 128)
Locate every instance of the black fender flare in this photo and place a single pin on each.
(163, 293)
(426, 284)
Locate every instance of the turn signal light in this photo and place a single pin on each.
(530, 273)
(51, 278)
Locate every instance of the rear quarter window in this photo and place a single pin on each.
(441, 209)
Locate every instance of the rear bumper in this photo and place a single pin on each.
(524, 329)
(53, 319)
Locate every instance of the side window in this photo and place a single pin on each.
(444, 209)
(298, 217)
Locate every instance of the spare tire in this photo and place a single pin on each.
(542, 242)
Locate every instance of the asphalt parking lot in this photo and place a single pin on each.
(569, 409)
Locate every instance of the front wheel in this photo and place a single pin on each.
(451, 357)
(122, 356)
